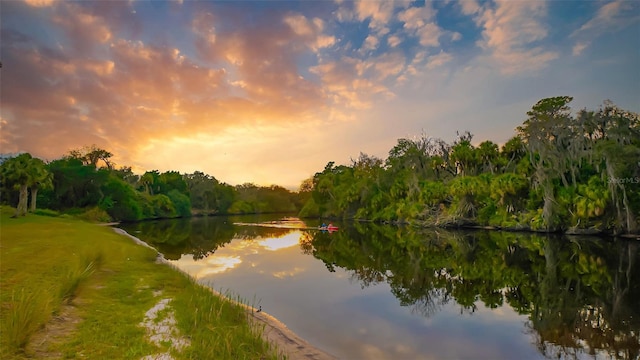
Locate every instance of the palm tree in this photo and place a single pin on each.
(463, 155)
(487, 155)
(512, 151)
(508, 189)
(147, 180)
(41, 178)
(23, 171)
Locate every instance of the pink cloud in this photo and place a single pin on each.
(136, 92)
(510, 30)
(419, 21)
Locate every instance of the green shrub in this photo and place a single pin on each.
(181, 202)
(95, 214)
(310, 209)
(46, 212)
(240, 207)
(121, 201)
(163, 206)
(486, 213)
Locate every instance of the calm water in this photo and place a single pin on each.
(382, 292)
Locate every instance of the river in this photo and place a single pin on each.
(372, 291)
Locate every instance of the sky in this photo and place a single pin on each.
(269, 92)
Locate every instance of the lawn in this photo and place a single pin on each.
(73, 289)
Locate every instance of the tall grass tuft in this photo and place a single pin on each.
(219, 325)
(28, 312)
(77, 275)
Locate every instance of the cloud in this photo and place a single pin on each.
(378, 12)
(370, 43)
(578, 48)
(84, 29)
(512, 33)
(388, 65)
(301, 26)
(311, 30)
(346, 85)
(263, 57)
(255, 91)
(135, 91)
(418, 21)
(40, 3)
(88, 25)
(429, 34)
(416, 17)
(203, 24)
(138, 92)
(469, 7)
(438, 60)
(610, 17)
(394, 40)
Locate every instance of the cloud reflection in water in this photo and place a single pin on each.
(292, 239)
(230, 256)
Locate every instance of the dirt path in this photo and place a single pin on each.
(56, 330)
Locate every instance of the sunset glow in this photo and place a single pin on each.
(286, 241)
(232, 255)
(270, 91)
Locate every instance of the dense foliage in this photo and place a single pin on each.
(576, 173)
(86, 183)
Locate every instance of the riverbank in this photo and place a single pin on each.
(272, 330)
(470, 224)
(74, 289)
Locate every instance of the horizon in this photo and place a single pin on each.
(270, 92)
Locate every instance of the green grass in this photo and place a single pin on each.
(47, 263)
(25, 314)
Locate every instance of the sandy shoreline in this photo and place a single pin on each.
(274, 332)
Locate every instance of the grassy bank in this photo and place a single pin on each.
(71, 289)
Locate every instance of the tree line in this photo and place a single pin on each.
(85, 182)
(578, 173)
(560, 172)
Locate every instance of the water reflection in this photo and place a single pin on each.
(461, 294)
(278, 243)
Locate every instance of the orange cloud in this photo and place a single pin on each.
(40, 3)
(380, 13)
(135, 93)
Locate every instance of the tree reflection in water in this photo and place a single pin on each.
(580, 294)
